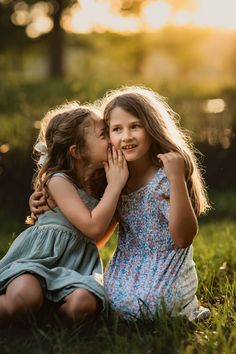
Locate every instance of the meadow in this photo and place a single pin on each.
(194, 69)
(214, 254)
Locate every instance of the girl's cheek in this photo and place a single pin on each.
(113, 141)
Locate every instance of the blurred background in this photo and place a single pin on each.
(53, 51)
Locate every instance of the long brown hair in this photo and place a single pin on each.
(60, 128)
(161, 123)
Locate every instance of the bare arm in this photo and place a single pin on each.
(92, 223)
(109, 232)
(183, 223)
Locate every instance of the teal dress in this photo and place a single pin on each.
(57, 252)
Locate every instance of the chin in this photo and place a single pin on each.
(130, 159)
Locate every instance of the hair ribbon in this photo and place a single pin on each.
(43, 151)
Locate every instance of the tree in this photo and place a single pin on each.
(13, 33)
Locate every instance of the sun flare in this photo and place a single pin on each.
(95, 15)
(87, 16)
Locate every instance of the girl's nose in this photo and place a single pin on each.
(126, 134)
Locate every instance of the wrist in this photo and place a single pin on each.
(115, 188)
(176, 180)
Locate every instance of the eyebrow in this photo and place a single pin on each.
(134, 122)
(100, 130)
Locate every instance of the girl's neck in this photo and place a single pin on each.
(83, 175)
(140, 174)
(139, 168)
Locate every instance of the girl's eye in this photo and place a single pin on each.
(116, 129)
(134, 126)
(102, 134)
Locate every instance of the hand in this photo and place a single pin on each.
(174, 165)
(116, 168)
(37, 204)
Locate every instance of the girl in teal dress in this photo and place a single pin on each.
(56, 259)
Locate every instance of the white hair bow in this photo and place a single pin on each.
(42, 149)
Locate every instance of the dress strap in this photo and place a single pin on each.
(63, 175)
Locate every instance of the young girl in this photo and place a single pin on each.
(57, 258)
(153, 264)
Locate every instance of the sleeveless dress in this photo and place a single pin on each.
(57, 252)
(147, 272)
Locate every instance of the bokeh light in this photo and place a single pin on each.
(4, 148)
(87, 16)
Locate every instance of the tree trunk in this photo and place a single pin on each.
(56, 49)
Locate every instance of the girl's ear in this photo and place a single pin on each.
(73, 150)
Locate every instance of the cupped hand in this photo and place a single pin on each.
(116, 167)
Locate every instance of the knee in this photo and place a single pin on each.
(81, 306)
(21, 303)
(82, 310)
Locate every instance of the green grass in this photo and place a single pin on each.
(214, 254)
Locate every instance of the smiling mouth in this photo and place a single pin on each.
(129, 147)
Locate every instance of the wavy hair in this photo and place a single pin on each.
(60, 128)
(161, 123)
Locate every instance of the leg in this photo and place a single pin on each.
(24, 294)
(79, 306)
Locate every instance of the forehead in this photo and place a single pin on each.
(119, 116)
(95, 126)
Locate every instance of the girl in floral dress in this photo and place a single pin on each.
(153, 264)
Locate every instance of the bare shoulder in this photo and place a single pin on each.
(59, 188)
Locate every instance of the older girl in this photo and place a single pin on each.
(153, 264)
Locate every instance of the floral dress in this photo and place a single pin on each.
(147, 272)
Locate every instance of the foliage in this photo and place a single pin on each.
(55, 40)
(23, 104)
(215, 259)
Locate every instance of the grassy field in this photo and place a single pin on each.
(214, 253)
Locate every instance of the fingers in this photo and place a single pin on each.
(120, 158)
(37, 194)
(38, 203)
(105, 165)
(114, 155)
(169, 155)
(109, 156)
(33, 216)
(115, 158)
(36, 211)
(173, 163)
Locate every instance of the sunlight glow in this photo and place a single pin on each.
(4, 148)
(155, 14)
(36, 18)
(20, 18)
(92, 15)
(37, 124)
(39, 26)
(103, 15)
(215, 14)
(21, 15)
(182, 18)
(215, 105)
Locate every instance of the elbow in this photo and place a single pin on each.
(182, 243)
(95, 234)
(183, 239)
